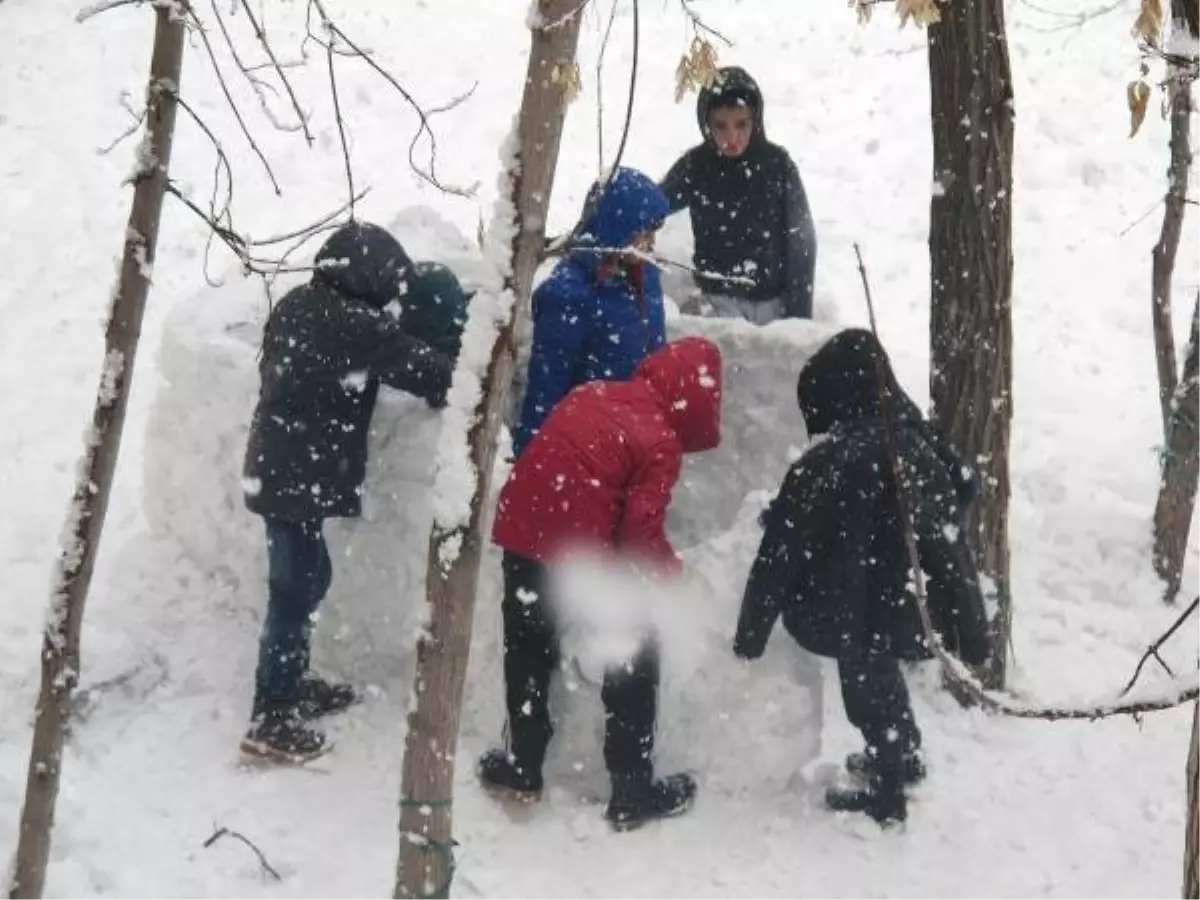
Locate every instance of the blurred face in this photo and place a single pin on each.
(731, 128)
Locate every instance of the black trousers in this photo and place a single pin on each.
(877, 704)
(531, 655)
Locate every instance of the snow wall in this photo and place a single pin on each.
(716, 715)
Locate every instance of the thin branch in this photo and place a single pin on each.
(563, 19)
(1074, 19)
(237, 113)
(138, 117)
(341, 124)
(331, 28)
(278, 67)
(96, 9)
(612, 17)
(1153, 649)
(956, 672)
(262, 859)
(698, 24)
(570, 240)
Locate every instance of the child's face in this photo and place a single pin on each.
(644, 242)
(731, 128)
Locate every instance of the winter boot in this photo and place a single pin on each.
(912, 767)
(883, 800)
(317, 697)
(500, 774)
(281, 736)
(636, 801)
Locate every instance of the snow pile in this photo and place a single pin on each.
(195, 440)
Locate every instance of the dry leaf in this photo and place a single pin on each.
(1138, 95)
(863, 10)
(923, 12)
(1149, 23)
(697, 68)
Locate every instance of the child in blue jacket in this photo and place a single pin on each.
(600, 313)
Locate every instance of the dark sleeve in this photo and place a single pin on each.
(559, 331)
(801, 253)
(954, 594)
(773, 574)
(380, 347)
(677, 184)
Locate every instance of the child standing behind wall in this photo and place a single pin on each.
(600, 313)
(755, 245)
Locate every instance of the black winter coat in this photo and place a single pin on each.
(750, 214)
(833, 560)
(326, 347)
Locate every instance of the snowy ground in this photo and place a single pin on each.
(1011, 808)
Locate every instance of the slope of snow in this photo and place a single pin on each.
(1011, 808)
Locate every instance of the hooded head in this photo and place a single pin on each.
(685, 375)
(839, 385)
(733, 88)
(628, 205)
(435, 307)
(364, 261)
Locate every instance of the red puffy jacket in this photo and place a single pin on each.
(599, 473)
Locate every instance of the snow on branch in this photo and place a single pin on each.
(1180, 690)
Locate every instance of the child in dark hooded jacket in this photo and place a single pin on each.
(755, 245)
(327, 347)
(598, 477)
(834, 565)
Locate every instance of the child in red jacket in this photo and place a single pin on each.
(598, 476)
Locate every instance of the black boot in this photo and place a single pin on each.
(318, 697)
(500, 773)
(280, 736)
(912, 767)
(636, 801)
(883, 800)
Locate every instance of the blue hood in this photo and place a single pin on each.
(630, 204)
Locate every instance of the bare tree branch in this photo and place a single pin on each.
(699, 25)
(429, 173)
(278, 67)
(267, 868)
(1153, 649)
(237, 113)
(612, 17)
(96, 9)
(137, 118)
(956, 672)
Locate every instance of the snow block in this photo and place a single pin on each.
(717, 715)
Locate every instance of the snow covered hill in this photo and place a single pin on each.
(1010, 809)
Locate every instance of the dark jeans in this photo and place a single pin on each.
(876, 701)
(531, 654)
(299, 576)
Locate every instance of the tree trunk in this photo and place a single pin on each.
(970, 248)
(1179, 93)
(1181, 467)
(1191, 843)
(60, 652)
(425, 865)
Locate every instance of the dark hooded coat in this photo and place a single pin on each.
(326, 348)
(833, 560)
(750, 214)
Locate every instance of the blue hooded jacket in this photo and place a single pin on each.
(587, 327)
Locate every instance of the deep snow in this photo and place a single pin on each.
(1010, 809)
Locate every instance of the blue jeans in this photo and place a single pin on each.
(299, 576)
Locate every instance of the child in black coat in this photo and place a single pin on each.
(755, 245)
(834, 565)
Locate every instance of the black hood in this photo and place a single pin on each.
(733, 87)
(364, 261)
(840, 386)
